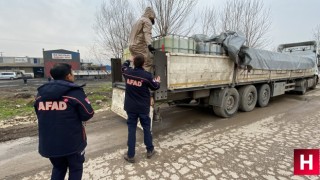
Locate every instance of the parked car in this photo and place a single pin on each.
(28, 75)
(8, 75)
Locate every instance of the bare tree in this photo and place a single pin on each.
(172, 16)
(98, 55)
(249, 17)
(232, 15)
(208, 21)
(316, 35)
(113, 24)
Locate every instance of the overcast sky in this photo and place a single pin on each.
(28, 26)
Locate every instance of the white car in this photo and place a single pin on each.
(8, 75)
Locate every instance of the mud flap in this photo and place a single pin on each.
(156, 115)
(117, 105)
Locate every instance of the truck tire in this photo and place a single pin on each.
(248, 98)
(230, 104)
(264, 95)
(315, 82)
(304, 87)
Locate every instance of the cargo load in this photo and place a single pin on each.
(239, 79)
(205, 46)
(262, 59)
(175, 44)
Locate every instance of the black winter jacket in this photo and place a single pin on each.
(61, 107)
(138, 82)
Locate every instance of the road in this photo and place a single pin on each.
(191, 143)
(34, 83)
(20, 83)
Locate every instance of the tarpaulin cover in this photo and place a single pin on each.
(262, 59)
(233, 42)
(200, 37)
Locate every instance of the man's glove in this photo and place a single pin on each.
(127, 63)
(151, 49)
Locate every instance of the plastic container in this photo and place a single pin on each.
(209, 48)
(175, 43)
(126, 54)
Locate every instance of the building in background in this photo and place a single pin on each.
(51, 57)
(81, 70)
(40, 67)
(108, 68)
(27, 65)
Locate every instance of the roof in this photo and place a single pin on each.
(60, 51)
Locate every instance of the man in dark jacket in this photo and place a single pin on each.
(62, 107)
(137, 104)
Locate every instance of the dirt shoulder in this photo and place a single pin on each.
(29, 127)
(17, 116)
(18, 131)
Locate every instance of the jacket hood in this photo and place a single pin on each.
(149, 13)
(54, 90)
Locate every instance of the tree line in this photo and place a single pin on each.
(115, 18)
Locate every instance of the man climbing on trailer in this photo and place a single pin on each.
(140, 37)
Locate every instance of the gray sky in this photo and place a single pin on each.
(27, 26)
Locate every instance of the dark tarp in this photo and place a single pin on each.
(233, 43)
(262, 59)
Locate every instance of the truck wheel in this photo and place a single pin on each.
(315, 82)
(248, 98)
(263, 95)
(304, 86)
(230, 104)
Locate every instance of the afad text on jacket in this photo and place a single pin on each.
(61, 108)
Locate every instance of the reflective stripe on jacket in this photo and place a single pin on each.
(138, 81)
(61, 108)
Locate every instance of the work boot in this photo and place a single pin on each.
(127, 158)
(150, 154)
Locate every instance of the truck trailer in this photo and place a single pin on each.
(240, 79)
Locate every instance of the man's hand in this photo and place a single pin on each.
(157, 79)
(151, 49)
(127, 62)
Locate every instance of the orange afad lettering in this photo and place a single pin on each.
(134, 82)
(52, 105)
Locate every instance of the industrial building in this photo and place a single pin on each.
(29, 65)
(80, 69)
(40, 67)
(51, 57)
